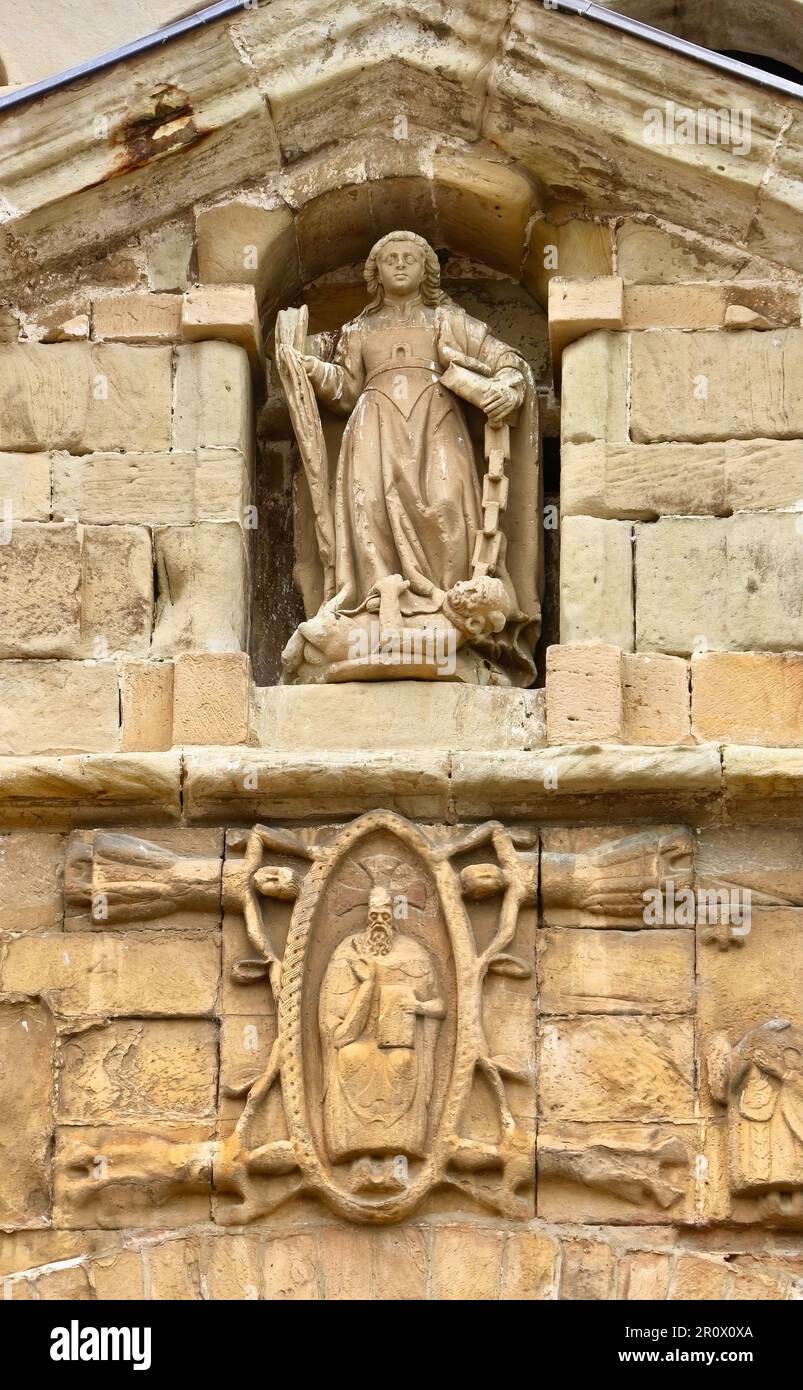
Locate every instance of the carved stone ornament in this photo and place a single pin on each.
(427, 564)
(760, 1080)
(395, 1069)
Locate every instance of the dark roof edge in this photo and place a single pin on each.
(583, 8)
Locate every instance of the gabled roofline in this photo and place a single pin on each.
(585, 9)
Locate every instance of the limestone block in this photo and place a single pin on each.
(117, 590)
(615, 972)
(109, 974)
(137, 318)
(24, 487)
(174, 1267)
(245, 1039)
(157, 489)
(770, 864)
(84, 397)
(697, 1277)
(657, 256)
(118, 1277)
(398, 714)
(529, 1271)
(147, 1170)
(146, 706)
(764, 473)
(596, 581)
(681, 580)
(71, 1283)
(168, 251)
(27, 1050)
(346, 1263)
(231, 1267)
(574, 247)
(212, 397)
(289, 1269)
(607, 877)
(748, 697)
(762, 781)
(655, 695)
(628, 1068)
(226, 312)
(483, 204)
(581, 306)
(765, 594)
(201, 600)
(674, 306)
(334, 227)
(31, 882)
(212, 692)
(401, 1264)
(240, 242)
(693, 385)
(152, 880)
(40, 591)
(645, 1275)
(584, 694)
(163, 1068)
(89, 788)
(586, 1271)
(58, 707)
(594, 389)
(466, 1263)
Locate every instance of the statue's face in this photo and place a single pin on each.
(380, 928)
(401, 267)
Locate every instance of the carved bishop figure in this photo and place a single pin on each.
(417, 576)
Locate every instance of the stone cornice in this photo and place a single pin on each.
(595, 783)
(247, 101)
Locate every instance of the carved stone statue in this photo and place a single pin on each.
(378, 1015)
(760, 1079)
(416, 579)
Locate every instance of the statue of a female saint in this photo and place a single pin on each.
(429, 560)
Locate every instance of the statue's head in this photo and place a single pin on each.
(403, 263)
(379, 929)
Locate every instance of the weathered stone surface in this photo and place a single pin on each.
(27, 1049)
(118, 1277)
(165, 1069)
(574, 247)
(239, 241)
(231, 1267)
(83, 397)
(578, 307)
(655, 699)
(153, 1175)
(212, 398)
(596, 581)
(646, 1275)
(630, 1174)
(656, 255)
(629, 1068)
(116, 590)
(530, 1267)
(584, 694)
(290, 1269)
(146, 706)
(168, 250)
(586, 1270)
(93, 788)
(211, 700)
(40, 591)
(770, 864)
(681, 582)
(400, 714)
(683, 385)
(137, 318)
(25, 487)
(700, 1278)
(158, 489)
(613, 877)
(765, 780)
(740, 572)
(616, 972)
(466, 1263)
(401, 1264)
(748, 697)
(31, 882)
(200, 603)
(104, 974)
(229, 313)
(155, 879)
(645, 481)
(58, 707)
(174, 1268)
(594, 390)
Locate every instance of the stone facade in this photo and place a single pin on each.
(480, 988)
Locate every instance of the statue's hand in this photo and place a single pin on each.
(363, 968)
(498, 402)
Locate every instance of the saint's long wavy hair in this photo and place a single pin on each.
(431, 291)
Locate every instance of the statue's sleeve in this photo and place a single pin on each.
(338, 383)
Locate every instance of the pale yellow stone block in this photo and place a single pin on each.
(137, 318)
(212, 692)
(584, 694)
(596, 581)
(146, 692)
(656, 698)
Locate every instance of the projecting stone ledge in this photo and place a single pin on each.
(592, 781)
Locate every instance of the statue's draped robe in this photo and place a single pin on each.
(407, 494)
(378, 1071)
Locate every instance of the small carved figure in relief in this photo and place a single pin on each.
(411, 544)
(760, 1079)
(379, 1015)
